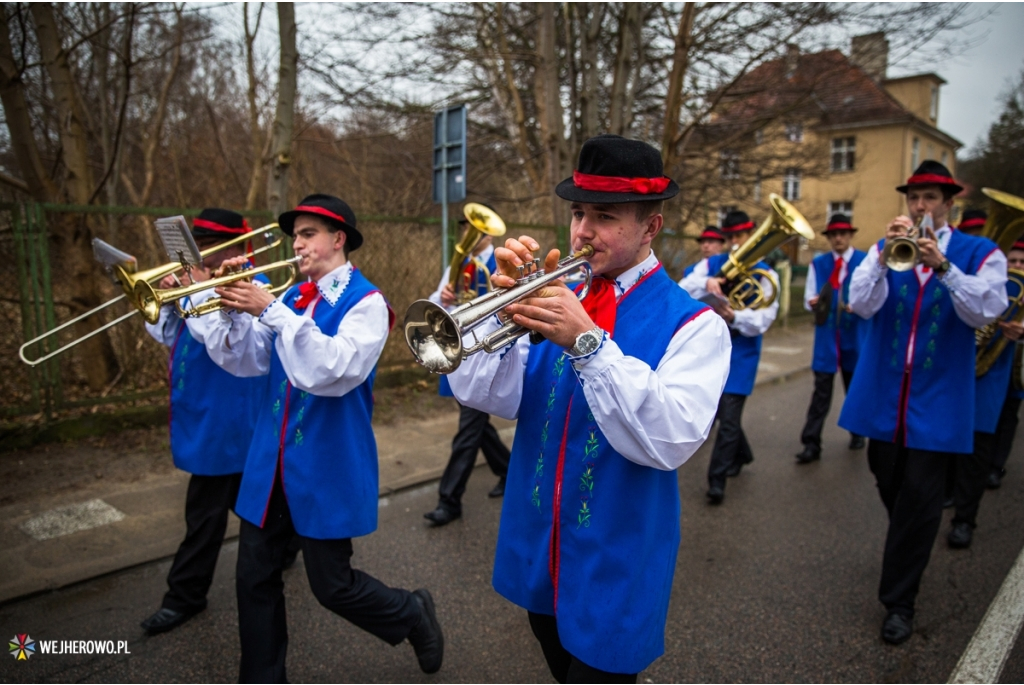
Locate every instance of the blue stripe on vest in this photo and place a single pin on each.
(746, 351)
(609, 577)
(938, 411)
(827, 344)
(324, 446)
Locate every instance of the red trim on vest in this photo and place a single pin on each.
(554, 560)
(971, 223)
(930, 179)
(221, 228)
(620, 184)
(309, 209)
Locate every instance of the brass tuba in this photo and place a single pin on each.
(482, 221)
(1004, 226)
(742, 285)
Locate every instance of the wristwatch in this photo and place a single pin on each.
(587, 342)
(943, 269)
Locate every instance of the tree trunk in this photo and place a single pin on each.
(549, 106)
(674, 98)
(589, 101)
(618, 117)
(284, 117)
(258, 143)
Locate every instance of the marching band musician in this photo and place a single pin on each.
(710, 242)
(620, 393)
(991, 392)
(204, 398)
(836, 339)
(913, 393)
(475, 430)
(312, 466)
(747, 327)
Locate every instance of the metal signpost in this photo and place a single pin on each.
(449, 165)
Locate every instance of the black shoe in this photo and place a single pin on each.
(164, 620)
(959, 536)
(948, 503)
(499, 489)
(734, 470)
(808, 455)
(716, 493)
(897, 628)
(995, 479)
(442, 516)
(426, 638)
(857, 442)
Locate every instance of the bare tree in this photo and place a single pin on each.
(277, 179)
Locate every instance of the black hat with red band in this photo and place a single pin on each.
(737, 221)
(931, 173)
(711, 233)
(839, 222)
(218, 223)
(972, 218)
(613, 169)
(1019, 245)
(329, 208)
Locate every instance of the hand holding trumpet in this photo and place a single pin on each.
(243, 295)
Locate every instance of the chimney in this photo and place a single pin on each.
(870, 52)
(792, 56)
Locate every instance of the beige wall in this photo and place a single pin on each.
(915, 94)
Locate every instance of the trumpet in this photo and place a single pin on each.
(902, 253)
(151, 299)
(438, 338)
(124, 274)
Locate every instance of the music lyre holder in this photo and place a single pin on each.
(178, 242)
(111, 257)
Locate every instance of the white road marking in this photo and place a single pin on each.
(71, 519)
(779, 349)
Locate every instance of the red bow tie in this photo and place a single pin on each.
(600, 303)
(307, 293)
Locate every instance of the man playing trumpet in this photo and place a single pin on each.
(619, 395)
(913, 392)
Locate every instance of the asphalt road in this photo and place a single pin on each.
(778, 584)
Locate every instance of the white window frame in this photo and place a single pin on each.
(934, 107)
(915, 154)
(844, 150)
(795, 132)
(841, 207)
(791, 184)
(729, 167)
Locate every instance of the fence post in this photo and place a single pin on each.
(29, 323)
(43, 236)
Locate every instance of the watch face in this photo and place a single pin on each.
(587, 342)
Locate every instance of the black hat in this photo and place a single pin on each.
(737, 221)
(711, 233)
(839, 222)
(330, 209)
(931, 173)
(218, 223)
(973, 218)
(613, 169)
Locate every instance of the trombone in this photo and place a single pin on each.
(125, 275)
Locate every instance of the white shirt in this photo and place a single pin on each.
(811, 284)
(653, 417)
(978, 300)
(320, 364)
(435, 297)
(749, 323)
(165, 330)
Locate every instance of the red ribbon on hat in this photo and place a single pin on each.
(738, 227)
(930, 179)
(971, 223)
(600, 303)
(620, 184)
(221, 228)
(310, 209)
(307, 293)
(839, 226)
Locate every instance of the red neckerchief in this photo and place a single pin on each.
(834, 279)
(307, 293)
(600, 304)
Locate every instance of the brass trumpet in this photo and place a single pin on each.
(151, 299)
(438, 338)
(125, 275)
(902, 253)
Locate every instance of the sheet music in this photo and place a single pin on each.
(178, 241)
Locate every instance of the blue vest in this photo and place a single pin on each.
(689, 270)
(836, 341)
(746, 352)
(443, 388)
(212, 413)
(587, 535)
(990, 392)
(322, 447)
(937, 410)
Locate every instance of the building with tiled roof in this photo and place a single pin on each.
(829, 132)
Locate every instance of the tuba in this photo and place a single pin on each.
(482, 221)
(1004, 226)
(742, 285)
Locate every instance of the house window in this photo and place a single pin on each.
(730, 165)
(843, 153)
(795, 133)
(934, 111)
(915, 155)
(931, 151)
(840, 208)
(724, 211)
(791, 184)
(945, 158)
(757, 187)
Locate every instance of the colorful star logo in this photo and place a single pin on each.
(22, 647)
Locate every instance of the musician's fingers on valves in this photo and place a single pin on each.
(509, 259)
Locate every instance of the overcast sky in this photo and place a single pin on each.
(970, 101)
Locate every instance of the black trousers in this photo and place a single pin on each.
(475, 433)
(971, 473)
(207, 503)
(564, 666)
(821, 403)
(388, 613)
(731, 444)
(1006, 429)
(911, 484)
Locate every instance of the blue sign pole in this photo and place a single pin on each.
(449, 165)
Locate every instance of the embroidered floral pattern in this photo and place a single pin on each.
(590, 453)
(583, 518)
(538, 469)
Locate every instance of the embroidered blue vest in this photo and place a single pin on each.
(937, 410)
(836, 342)
(746, 352)
(587, 535)
(990, 392)
(443, 388)
(212, 413)
(322, 447)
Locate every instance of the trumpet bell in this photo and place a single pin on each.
(433, 337)
(484, 219)
(901, 254)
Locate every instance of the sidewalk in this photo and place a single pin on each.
(50, 542)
